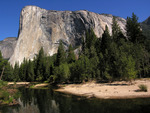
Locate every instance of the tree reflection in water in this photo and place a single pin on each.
(47, 101)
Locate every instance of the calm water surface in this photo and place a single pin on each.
(47, 101)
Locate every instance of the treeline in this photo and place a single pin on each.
(111, 57)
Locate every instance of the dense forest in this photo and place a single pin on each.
(110, 57)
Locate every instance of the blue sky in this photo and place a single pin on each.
(10, 10)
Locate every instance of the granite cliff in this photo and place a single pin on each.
(7, 47)
(45, 28)
(146, 27)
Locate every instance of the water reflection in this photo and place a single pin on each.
(47, 101)
(38, 101)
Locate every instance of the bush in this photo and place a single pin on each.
(4, 95)
(2, 83)
(143, 87)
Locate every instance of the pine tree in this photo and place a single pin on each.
(127, 65)
(21, 72)
(16, 72)
(106, 40)
(39, 66)
(8, 73)
(134, 33)
(94, 62)
(90, 39)
(71, 55)
(61, 55)
(81, 69)
(3, 63)
(115, 29)
(30, 71)
(83, 45)
(62, 73)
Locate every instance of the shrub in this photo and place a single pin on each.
(143, 87)
(2, 83)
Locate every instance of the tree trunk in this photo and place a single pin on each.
(2, 73)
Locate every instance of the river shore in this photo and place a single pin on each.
(115, 90)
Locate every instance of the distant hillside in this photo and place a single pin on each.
(146, 27)
(7, 46)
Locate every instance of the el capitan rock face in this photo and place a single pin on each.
(45, 28)
(7, 47)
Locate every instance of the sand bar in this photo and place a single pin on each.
(115, 90)
(18, 83)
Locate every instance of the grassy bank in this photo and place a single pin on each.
(8, 94)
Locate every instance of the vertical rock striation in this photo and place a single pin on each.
(45, 28)
(7, 47)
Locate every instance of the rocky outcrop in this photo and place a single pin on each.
(7, 47)
(45, 28)
(146, 27)
(147, 21)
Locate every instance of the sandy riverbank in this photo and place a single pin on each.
(113, 90)
(18, 83)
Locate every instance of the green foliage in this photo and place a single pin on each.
(107, 58)
(129, 71)
(3, 63)
(30, 71)
(81, 69)
(106, 40)
(71, 55)
(6, 94)
(16, 72)
(134, 33)
(143, 87)
(8, 73)
(146, 30)
(62, 73)
(39, 65)
(115, 29)
(61, 55)
(2, 84)
(90, 39)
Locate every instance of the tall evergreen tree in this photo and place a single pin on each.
(30, 71)
(71, 55)
(81, 69)
(106, 40)
(21, 72)
(62, 73)
(83, 45)
(8, 73)
(90, 39)
(3, 63)
(16, 72)
(94, 62)
(61, 55)
(134, 33)
(115, 29)
(39, 66)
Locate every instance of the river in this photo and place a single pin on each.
(48, 101)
